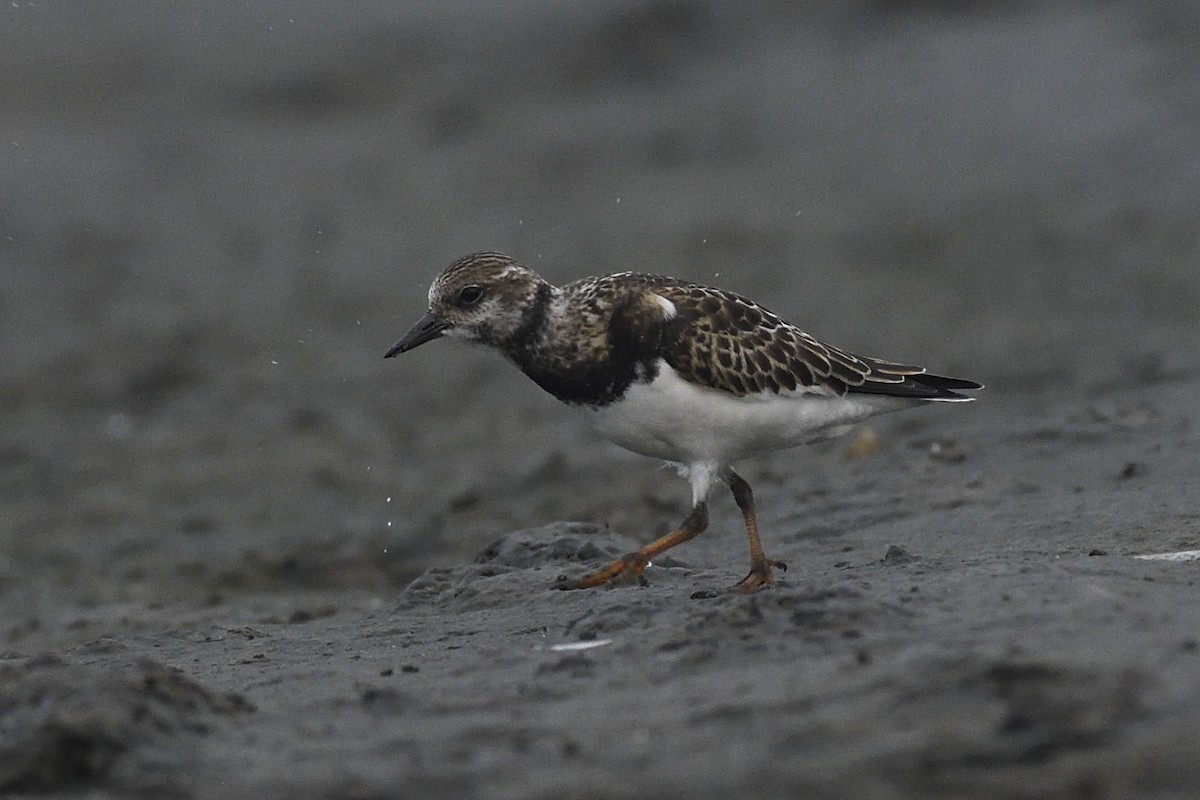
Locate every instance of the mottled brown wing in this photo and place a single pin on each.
(725, 341)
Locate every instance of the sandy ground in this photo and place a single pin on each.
(244, 556)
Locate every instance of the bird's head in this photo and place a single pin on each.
(487, 298)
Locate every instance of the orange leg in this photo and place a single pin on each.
(630, 566)
(760, 565)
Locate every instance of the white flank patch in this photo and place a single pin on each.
(676, 420)
(558, 304)
(669, 310)
(1178, 555)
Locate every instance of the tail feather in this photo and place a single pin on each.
(922, 387)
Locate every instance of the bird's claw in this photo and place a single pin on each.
(758, 577)
(627, 569)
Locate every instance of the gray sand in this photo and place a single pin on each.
(244, 556)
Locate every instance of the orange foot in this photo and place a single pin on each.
(759, 576)
(626, 569)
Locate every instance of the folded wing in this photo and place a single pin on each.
(719, 339)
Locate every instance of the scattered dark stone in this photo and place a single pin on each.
(897, 555)
(1097, 552)
(1132, 469)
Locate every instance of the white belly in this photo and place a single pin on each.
(675, 420)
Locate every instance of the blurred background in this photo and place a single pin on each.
(215, 219)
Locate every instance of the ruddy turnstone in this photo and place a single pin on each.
(673, 370)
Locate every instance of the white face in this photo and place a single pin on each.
(486, 302)
(485, 297)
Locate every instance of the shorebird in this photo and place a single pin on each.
(694, 375)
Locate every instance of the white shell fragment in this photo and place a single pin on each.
(1178, 555)
(565, 647)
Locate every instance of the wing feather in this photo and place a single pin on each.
(717, 338)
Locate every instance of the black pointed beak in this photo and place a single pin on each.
(427, 329)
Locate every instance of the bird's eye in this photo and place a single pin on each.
(470, 295)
